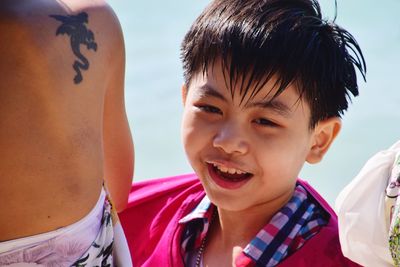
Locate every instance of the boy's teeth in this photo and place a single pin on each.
(228, 170)
(231, 171)
(222, 169)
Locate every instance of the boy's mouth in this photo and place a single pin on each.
(230, 178)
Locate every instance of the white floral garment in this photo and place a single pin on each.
(89, 240)
(393, 211)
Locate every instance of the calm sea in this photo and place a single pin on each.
(153, 31)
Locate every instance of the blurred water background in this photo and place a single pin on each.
(153, 31)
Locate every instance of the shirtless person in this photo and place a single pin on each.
(63, 129)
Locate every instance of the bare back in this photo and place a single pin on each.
(61, 99)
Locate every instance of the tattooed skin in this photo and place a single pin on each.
(75, 28)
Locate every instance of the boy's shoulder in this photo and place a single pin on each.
(154, 208)
(321, 250)
(324, 248)
(161, 200)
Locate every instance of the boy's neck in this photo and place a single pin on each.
(232, 229)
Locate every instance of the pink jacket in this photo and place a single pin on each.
(155, 206)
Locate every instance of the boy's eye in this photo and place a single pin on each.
(209, 109)
(265, 122)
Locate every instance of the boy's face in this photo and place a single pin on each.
(246, 154)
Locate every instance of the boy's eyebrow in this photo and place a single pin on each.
(208, 90)
(275, 105)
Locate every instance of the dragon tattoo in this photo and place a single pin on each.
(75, 27)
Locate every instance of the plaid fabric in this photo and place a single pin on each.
(295, 223)
(198, 222)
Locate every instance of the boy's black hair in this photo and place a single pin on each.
(288, 39)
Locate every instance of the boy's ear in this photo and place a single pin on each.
(324, 134)
(184, 93)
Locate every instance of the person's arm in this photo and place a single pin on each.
(118, 144)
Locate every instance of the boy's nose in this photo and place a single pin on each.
(231, 139)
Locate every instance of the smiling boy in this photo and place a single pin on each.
(265, 85)
(248, 153)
